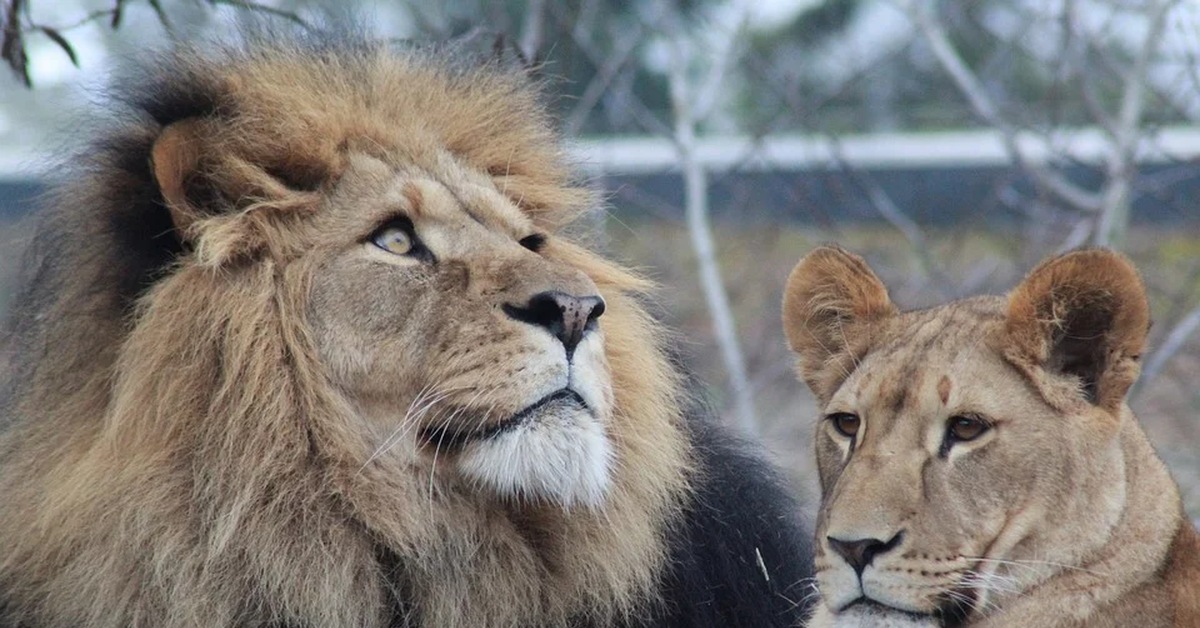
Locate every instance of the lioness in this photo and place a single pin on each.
(979, 464)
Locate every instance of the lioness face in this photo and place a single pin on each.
(924, 454)
(954, 474)
(471, 353)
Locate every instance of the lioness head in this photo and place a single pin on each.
(967, 452)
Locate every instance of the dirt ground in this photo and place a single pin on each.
(755, 261)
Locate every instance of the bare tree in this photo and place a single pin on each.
(1105, 211)
(1103, 214)
(692, 101)
(18, 24)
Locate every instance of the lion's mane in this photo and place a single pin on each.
(170, 453)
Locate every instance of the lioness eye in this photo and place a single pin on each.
(394, 238)
(845, 423)
(965, 428)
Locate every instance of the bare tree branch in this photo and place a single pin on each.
(1058, 186)
(1122, 167)
(896, 217)
(686, 103)
(650, 18)
(12, 42)
(622, 55)
(531, 30)
(723, 54)
(1124, 130)
(1174, 342)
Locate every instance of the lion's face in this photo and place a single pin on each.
(955, 474)
(439, 310)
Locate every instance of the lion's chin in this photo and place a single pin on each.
(559, 454)
(880, 616)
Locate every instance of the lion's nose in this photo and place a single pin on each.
(566, 316)
(861, 552)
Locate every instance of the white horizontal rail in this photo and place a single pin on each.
(650, 155)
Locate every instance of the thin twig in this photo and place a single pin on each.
(685, 103)
(971, 87)
(1122, 167)
(1174, 342)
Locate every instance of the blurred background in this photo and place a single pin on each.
(953, 144)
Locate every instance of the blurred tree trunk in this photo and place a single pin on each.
(691, 102)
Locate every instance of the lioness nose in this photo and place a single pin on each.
(566, 316)
(861, 552)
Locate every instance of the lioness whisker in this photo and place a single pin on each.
(1033, 564)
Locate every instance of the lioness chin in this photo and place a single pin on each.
(979, 463)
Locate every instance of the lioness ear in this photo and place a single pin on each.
(831, 300)
(1082, 316)
(175, 159)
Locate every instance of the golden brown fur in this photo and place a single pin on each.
(979, 464)
(222, 452)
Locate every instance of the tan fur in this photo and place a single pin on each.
(1060, 514)
(234, 450)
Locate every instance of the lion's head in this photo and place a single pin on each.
(971, 452)
(311, 312)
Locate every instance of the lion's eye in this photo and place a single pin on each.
(966, 428)
(395, 237)
(845, 423)
(534, 242)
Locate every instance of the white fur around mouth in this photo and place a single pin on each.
(559, 453)
(876, 615)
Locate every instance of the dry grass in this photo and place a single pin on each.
(756, 261)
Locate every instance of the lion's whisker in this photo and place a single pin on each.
(442, 435)
(411, 416)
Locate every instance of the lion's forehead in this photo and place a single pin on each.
(442, 189)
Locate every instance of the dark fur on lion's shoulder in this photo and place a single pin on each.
(743, 555)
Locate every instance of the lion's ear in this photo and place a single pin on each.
(830, 304)
(1082, 316)
(175, 160)
(214, 185)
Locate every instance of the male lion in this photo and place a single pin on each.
(979, 464)
(305, 345)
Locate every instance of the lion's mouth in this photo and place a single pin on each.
(447, 437)
(953, 614)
